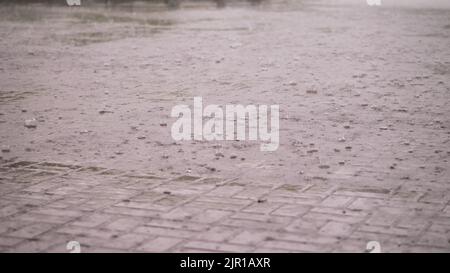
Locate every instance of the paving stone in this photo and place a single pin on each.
(291, 210)
(210, 216)
(226, 191)
(253, 193)
(9, 241)
(434, 239)
(124, 223)
(250, 237)
(165, 231)
(216, 234)
(159, 244)
(126, 241)
(31, 231)
(336, 201)
(336, 229)
(92, 220)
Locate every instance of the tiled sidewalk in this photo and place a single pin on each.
(45, 205)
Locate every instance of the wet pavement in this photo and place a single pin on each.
(87, 155)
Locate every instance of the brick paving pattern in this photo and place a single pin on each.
(45, 205)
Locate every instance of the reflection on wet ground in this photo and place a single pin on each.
(104, 21)
(131, 4)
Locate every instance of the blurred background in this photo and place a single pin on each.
(224, 3)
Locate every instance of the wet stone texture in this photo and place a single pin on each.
(87, 155)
